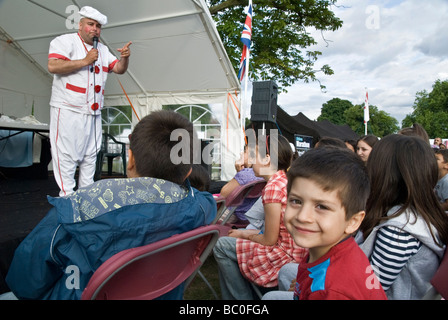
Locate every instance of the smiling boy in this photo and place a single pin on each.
(327, 192)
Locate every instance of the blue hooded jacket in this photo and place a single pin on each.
(81, 231)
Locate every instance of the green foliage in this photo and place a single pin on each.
(279, 36)
(333, 111)
(380, 124)
(431, 110)
(339, 111)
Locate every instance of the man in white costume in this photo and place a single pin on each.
(80, 73)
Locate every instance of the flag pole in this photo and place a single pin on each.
(243, 111)
(366, 112)
(246, 40)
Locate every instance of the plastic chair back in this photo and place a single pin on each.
(148, 272)
(252, 189)
(119, 150)
(440, 279)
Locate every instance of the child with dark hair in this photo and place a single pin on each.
(248, 255)
(405, 228)
(365, 145)
(416, 130)
(199, 178)
(441, 187)
(330, 141)
(245, 174)
(327, 194)
(84, 229)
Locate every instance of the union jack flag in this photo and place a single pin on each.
(246, 39)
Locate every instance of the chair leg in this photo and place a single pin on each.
(208, 284)
(99, 167)
(109, 166)
(124, 165)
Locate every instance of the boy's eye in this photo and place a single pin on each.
(295, 201)
(322, 207)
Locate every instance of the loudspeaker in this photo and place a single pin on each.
(264, 101)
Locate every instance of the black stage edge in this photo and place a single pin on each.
(23, 204)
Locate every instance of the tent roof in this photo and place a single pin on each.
(177, 57)
(301, 124)
(325, 128)
(176, 47)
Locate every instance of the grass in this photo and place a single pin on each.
(198, 290)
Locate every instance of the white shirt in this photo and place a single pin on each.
(76, 91)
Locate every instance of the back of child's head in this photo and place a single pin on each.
(443, 153)
(151, 144)
(334, 169)
(416, 130)
(277, 147)
(331, 141)
(403, 171)
(199, 178)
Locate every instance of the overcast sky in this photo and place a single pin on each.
(393, 48)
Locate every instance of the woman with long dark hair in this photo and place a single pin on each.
(405, 228)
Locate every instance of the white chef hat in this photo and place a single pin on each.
(92, 13)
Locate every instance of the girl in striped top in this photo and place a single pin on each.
(405, 228)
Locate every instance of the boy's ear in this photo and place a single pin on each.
(266, 160)
(188, 174)
(131, 171)
(354, 222)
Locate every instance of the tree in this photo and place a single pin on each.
(381, 123)
(279, 36)
(333, 111)
(431, 110)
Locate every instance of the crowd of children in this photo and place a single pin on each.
(372, 224)
(355, 220)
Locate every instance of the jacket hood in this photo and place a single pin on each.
(412, 223)
(107, 195)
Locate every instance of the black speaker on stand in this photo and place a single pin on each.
(264, 101)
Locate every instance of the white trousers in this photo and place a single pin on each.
(75, 141)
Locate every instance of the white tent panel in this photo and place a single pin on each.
(177, 58)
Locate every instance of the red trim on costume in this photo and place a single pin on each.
(105, 69)
(57, 56)
(75, 88)
(112, 65)
(57, 154)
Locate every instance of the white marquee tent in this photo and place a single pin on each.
(177, 58)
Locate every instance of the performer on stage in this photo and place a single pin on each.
(80, 72)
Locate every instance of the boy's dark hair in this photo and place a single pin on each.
(331, 141)
(335, 169)
(416, 130)
(443, 152)
(151, 146)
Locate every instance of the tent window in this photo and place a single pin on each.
(208, 129)
(116, 121)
